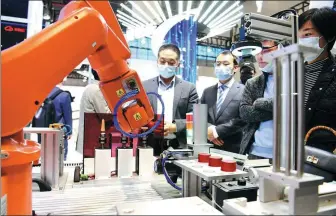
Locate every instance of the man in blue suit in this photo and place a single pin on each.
(62, 103)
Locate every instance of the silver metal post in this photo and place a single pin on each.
(294, 115)
(200, 123)
(276, 115)
(301, 116)
(287, 108)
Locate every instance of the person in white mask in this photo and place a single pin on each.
(317, 29)
(224, 124)
(178, 96)
(256, 109)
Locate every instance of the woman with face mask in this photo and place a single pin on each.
(317, 29)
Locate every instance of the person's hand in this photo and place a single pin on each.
(69, 136)
(159, 130)
(218, 141)
(169, 128)
(210, 134)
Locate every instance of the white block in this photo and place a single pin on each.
(103, 163)
(146, 162)
(125, 163)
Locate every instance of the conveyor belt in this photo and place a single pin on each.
(99, 200)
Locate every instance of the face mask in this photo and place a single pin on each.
(223, 72)
(268, 68)
(167, 71)
(245, 77)
(314, 43)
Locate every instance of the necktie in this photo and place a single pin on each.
(220, 99)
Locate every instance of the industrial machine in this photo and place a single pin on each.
(60, 48)
(284, 188)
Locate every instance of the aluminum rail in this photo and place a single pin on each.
(282, 107)
(52, 154)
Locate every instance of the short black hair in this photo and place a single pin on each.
(95, 74)
(228, 52)
(323, 19)
(171, 47)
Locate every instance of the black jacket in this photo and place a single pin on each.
(321, 108)
(254, 109)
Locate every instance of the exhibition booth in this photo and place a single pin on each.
(126, 163)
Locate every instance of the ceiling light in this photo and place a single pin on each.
(121, 19)
(199, 9)
(213, 34)
(158, 7)
(225, 15)
(215, 12)
(168, 8)
(127, 25)
(137, 7)
(130, 18)
(151, 9)
(189, 5)
(228, 25)
(133, 13)
(228, 20)
(180, 7)
(259, 6)
(213, 4)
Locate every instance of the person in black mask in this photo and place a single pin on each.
(317, 29)
(247, 71)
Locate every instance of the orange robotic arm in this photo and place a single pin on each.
(31, 69)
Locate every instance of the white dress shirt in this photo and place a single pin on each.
(167, 95)
(226, 91)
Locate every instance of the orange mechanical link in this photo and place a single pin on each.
(85, 29)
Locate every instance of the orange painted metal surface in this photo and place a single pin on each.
(31, 69)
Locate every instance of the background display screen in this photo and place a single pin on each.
(12, 33)
(15, 8)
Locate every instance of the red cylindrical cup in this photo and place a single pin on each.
(203, 157)
(215, 161)
(228, 166)
(189, 117)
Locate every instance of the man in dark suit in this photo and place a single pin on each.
(177, 94)
(223, 99)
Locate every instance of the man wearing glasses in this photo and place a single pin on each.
(223, 99)
(256, 109)
(178, 96)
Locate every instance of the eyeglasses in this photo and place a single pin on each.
(269, 49)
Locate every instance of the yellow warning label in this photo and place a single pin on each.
(137, 116)
(120, 92)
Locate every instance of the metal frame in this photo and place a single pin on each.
(193, 173)
(217, 41)
(265, 27)
(52, 154)
(301, 7)
(303, 188)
